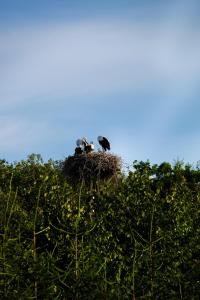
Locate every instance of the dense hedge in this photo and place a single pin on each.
(137, 240)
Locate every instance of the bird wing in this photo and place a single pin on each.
(107, 144)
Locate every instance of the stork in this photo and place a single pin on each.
(89, 147)
(79, 148)
(104, 143)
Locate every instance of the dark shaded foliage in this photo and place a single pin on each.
(137, 240)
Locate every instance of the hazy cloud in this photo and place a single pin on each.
(20, 134)
(66, 73)
(93, 57)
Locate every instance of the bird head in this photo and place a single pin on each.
(100, 138)
(79, 143)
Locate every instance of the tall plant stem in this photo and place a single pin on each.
(151, 248)
(34, 242)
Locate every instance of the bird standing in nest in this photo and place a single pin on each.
(104, 143)
(88, 147)
(79, 148)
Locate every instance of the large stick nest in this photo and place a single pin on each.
(91, 167)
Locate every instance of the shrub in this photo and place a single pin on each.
(135, 240)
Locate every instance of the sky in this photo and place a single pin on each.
(128, 70)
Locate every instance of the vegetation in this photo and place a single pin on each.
(137, 240)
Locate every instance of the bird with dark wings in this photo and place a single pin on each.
(104, 143)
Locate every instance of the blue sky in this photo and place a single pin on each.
(128, 70)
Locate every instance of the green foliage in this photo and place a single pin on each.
(137, 240)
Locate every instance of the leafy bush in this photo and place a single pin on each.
(136, 240)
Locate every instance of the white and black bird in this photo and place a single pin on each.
(89, 147)
(104, 143)
(79, 148)
(84, 142)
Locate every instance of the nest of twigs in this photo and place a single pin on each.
(94, 166)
